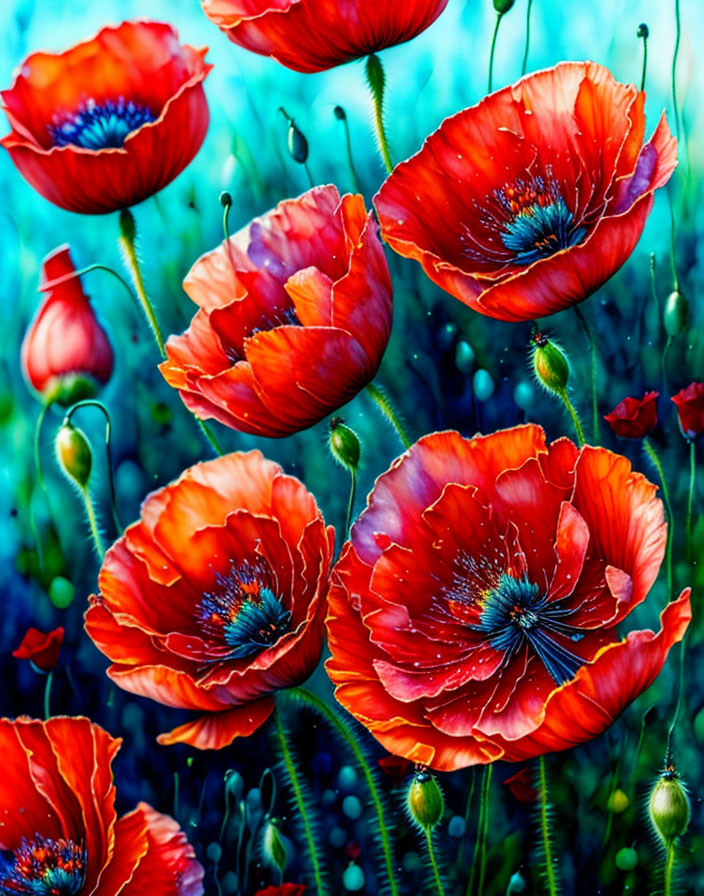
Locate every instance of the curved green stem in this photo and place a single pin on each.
(669, 867)
(209, 435)
(388, 410)
(645, 62)
(652, 454)
(128, 234)
(499, 16)
(40, 481)
(434, 863)
(93, 523)
(301, 803)
(310, 176)
(377, 85)
(485, 831)
(47, 694)
(467, 813)
(690, 495)
(525, 52)
(350, 503)
(342, 116)
(550, 876)
(341, 728)
(479, 856)
(103, 267)
(665, 352)
(91, 402)
(576, 422)
(594, 361)
(675, 106)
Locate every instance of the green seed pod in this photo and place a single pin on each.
(225, 199)
(550, 364)
(669, 806)
(273, 849)
(344, 444)
(340, 113)
(675, 317)
(643, 30)
(626, 859)
(502, 6)
(425, 801)
(297, 143)
(73, 454)
(61, 592)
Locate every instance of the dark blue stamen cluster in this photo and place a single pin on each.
(43, 867)
(515, 613)
(244, 613)
(99, 125)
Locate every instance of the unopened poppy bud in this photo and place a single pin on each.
(340, 113)
(643, 30)
(73, 454)
(425, 801)
(669, 806)
(297, 144)
(550, 364)
(675, 317)
(344, 444)
(225, 199)
(273, 848)
(502, 6)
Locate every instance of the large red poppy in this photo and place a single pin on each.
(314, 35)
(215, 598)
(475, 614)
(528, 202)
(295, 313)
(111, 121)
(59, 828)
(66, 353)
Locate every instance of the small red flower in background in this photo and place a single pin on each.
(66, 353)
(57, 802)
(111, 121)
(522, 785)
(690, 408)
(295, 314)
(215, 599)
(528, 202)
(634, 418)
(283, 890)
(40, 648)
(315, 35)
(475, 613)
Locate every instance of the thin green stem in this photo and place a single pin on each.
(209, 435)
(680, 694)
(576, 422)
(332, 717)
(479, 855)
(675, 106)
(93, 523)
(499, 16)
(310, 176)
(485, 831)
(388, 410)
(341, 115)
(593, 365)
(103, 267)
(47, 694)
(645, 62)
(665, 352)
(467, 813)
(669, 866)
(673, 244)
(550, 877)
(40, 481)
(690, 495)
(128, 233)
(301, 803)
(525, 51)
(350, 503)
(433, 863)
(377, 85)
(652, 454)
(176, 793)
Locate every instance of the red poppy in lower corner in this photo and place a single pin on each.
(41, 649)
(295, 313)
(215, 599)
(110, 121)
(634, 418)
(476, 612)
(690, 408)
(315, 35)
(60, 832)
(528, 202)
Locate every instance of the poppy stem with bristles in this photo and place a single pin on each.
(576, 422)
(93, 522)
(388, 410)
(669, 866)
(377, 85)
(128, 235)
(433, 862)
(550, 877)
(350, 503)
(652, 454)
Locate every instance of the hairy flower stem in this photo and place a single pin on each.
(593, 371)
(301, 804)
(388, 410)
(652, 454)
(550, 877)
(433, 863)
(669, 867)
(350, 503)
(499, 16)
(47, 694)
(109, 270)
(524, 67)
(690, 496)
(338, 724)
(377, 86)
(576, 422)
(127, 241)
(93, 522)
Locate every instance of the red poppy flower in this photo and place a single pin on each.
(215, 599)
(690, 407)
(295, 313)
(634, 418)
(314, 35)
(529, 201)
(60, 832)
(474, 614)
(110, 121)
(283, 890)
(40, 648)
(522, 785)
(66, 354)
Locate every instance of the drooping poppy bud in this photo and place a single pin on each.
(425, 801)
(675, 316)
(669, 806)
(634, 418)
(66, 353)
(73, 454)
(41, 649)
(550, 364)
(502, 6)
(690, 408)
(643, 31)
(344, 444)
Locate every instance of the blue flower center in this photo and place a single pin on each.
(515, 613)
(103, 125)
(244, 613)
(43, 867)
